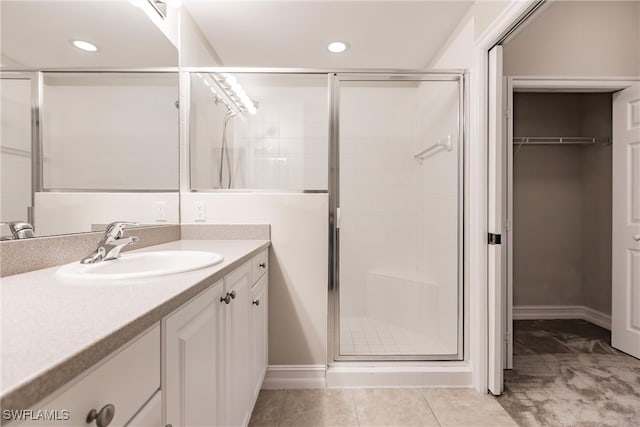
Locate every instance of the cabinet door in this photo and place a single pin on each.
(194, 362)
(259, 329)
(237, 285)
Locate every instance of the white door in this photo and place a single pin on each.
(238, 345)
(193, 383)
(496, 268)
(625, 331)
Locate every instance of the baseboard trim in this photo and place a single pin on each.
(280, 377)
(372, 376)
(534, 312)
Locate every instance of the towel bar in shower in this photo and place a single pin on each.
(446, 144)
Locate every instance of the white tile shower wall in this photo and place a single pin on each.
(15, 150)
(438, 208)
(63, 213)
(377, 188)
(298, 264)
(111, 133)
(285, 144)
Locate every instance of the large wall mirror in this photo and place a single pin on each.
(87, 136)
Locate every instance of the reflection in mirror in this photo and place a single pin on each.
(80, 150)
(104, 137)
(108, 131)
(15, 152)
(40, 35)
(258, 131)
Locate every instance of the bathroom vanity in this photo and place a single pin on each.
(182, 349)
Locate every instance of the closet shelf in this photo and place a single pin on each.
(560, 140)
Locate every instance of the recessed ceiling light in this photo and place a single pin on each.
(89, 47)
(337, 47)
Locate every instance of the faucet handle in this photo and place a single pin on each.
(115, 230)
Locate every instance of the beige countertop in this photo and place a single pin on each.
(53, 329)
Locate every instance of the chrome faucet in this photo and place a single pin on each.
(111, 244)
(19, 230)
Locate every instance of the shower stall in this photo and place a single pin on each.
(388, 150)
(396, 217)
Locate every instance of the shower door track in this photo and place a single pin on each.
(333, 327)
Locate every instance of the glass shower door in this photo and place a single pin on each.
(398, 194)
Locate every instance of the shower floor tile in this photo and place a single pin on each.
(366, 336)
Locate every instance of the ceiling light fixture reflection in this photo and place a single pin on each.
(232, 93)
(337, 47)
(86, 46)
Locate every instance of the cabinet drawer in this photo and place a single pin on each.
(259, 265)
(126, 380)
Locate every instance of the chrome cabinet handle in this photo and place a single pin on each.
(262, 265)
(103, 417)
(636, 237)
(256, 302)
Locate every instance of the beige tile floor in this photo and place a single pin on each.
(455, 407)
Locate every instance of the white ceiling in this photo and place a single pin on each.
(381, 34)
(38, 34)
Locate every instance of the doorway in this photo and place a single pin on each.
(625, 223)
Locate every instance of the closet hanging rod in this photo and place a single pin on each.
(560, 140)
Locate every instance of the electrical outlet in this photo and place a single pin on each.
(201, 211)
(161, 211)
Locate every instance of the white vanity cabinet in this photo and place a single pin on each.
(126, 380)
(215, 351)
(193, 363)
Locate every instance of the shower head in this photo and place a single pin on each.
(229, 115)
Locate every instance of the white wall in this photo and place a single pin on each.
(578, 38)
(195, 50)
(64, 213)
(15, 151)
(110, 132)
(298, 265)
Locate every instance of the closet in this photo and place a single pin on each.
(562, 202)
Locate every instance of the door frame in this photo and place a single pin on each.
(535, 84)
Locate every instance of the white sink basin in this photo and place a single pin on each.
(140, 265)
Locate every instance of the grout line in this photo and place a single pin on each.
(355, 403)
(435, 416)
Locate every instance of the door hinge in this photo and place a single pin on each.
(495, 239)
(508, 225)
(507, 337)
